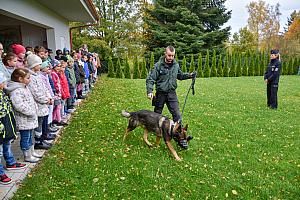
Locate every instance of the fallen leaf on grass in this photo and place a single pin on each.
(234, 192)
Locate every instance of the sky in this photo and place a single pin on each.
(240, 15)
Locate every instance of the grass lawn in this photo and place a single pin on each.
(241, 149)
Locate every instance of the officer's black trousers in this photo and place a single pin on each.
(272, 90)
(171, 100)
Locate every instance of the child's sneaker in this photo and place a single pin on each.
(4, 179)
(16, 166)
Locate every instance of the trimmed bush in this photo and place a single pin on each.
(206, 70)
(220, 66)
(200, 67)
(213, 72)
(183, 65)
(192, 64)
(144, 72)
(127, 73)
(111, 71)
(136, 71)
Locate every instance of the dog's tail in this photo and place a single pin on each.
(125, 114)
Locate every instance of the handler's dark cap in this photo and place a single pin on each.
(274, 51)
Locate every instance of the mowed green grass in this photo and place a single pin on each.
(241, 149)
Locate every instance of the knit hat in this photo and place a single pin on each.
(45, 64)
(55, 63)
(2, 78)
(17, 49)
(33, 60)
(274, 51)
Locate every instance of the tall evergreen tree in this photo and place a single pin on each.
(206, 70)
(257, 65)
(239, 65)
(220, 66)
(290, 66)
(183, 65)
(127, 73)
(245, 66)
(226, 68)
(214, 65)
(144, 71)
(232, 69)
(200, 67)
(190, 26)
(119, 72)
(192, 64)
(136, 71)
(251, 65)
(111, 70)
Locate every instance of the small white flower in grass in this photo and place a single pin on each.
(95, 180)
(122, 178)
(234, 192)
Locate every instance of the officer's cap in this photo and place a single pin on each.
(274, 51)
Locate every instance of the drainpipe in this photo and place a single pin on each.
(75, 27)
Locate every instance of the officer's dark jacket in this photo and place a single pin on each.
(165, 76)
(273, 71)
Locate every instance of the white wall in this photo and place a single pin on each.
(32, 12)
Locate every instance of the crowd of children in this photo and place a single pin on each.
(37, 92)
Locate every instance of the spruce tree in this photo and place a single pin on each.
(144, 71)
(152, 61)
(183, 65)
(226, 68)
(238, 65)
(191, 26)
(127, 73)
(200, 67)
(119, 73)
(111, 71)
(192, 64)
(206, 70)
(220, 66)
(136, 72)
(214, 65)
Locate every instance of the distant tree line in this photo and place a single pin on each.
(215, 65)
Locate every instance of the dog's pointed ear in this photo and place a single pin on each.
(186, 127)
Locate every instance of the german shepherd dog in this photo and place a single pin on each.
(159, 124)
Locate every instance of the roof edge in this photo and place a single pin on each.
(92, 8)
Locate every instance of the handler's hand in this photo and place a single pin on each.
(150, 96)
(193, 74)
(266, 80)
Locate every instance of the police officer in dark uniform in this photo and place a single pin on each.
(272, 79)
(164, 75)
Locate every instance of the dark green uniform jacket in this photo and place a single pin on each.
(165, 76)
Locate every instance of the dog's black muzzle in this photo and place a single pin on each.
(183, 144)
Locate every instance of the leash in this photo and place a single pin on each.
(192, 87)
